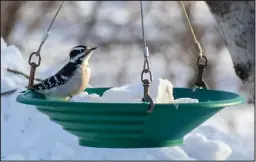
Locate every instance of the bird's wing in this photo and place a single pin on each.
(61, 77)
(50, 82)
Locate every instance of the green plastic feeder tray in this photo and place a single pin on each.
(128, 125)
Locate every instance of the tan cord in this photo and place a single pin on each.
(192, 31)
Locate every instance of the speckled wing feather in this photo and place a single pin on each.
(50, 82)
(60, 78)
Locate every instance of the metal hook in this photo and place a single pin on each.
(146, 97)
(201, 68)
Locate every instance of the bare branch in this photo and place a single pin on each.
(21, 73)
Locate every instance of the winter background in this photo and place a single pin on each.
(115, 28)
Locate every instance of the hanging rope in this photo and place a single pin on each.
(192, 31)
(146, 69)
(34, 65)
(201, 66)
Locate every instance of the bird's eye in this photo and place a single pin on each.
(82, 50)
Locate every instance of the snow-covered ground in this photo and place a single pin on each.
(27, 134)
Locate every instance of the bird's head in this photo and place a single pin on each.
(81, 54)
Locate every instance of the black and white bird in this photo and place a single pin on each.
(71, 79)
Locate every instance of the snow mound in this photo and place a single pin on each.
(3, 44)
(160, 90)
(8, 55)
(7, 84)
(11, 58)
(210, 149)
(85, 97)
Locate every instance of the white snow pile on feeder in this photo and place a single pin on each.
(160, 90)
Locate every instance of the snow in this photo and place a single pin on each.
(213, 149)
(7, 84)
(10, 53)
(10, 82)
(160, 91)
(85, 97)
(186, 100)
(15, 157)
(3, 44)
(29, 135)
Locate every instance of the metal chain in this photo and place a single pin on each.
(34, 65)
(201, 66)
(146, 69)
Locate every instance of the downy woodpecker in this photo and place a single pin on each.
(71, 79)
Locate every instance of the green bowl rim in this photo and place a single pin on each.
(210, 104)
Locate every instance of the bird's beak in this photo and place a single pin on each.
(94, 48)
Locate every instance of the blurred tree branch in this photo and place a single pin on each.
(10, 14)
(88, 26)
(46, 7)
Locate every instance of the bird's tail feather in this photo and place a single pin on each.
(25, 91)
